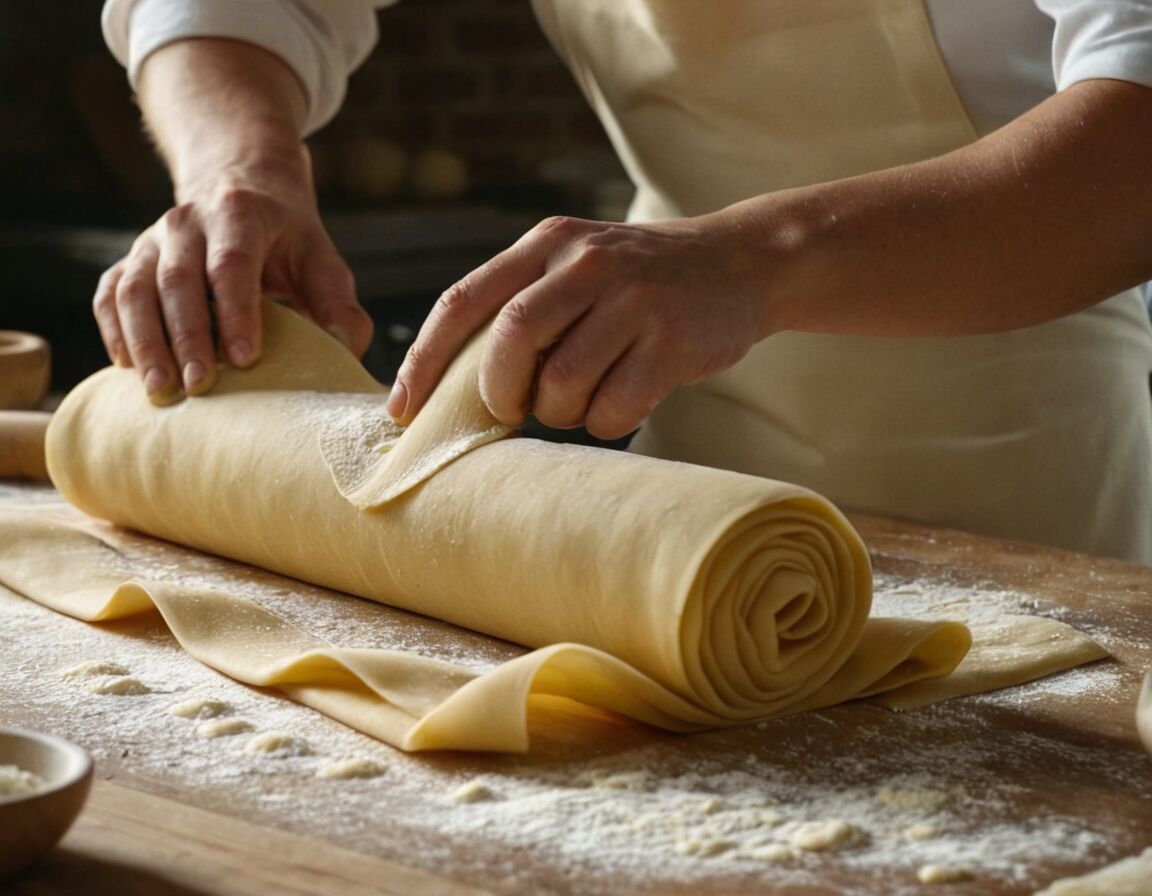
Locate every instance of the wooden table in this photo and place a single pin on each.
(1037, 759)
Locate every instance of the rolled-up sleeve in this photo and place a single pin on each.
(323, 41)
(1101, 39)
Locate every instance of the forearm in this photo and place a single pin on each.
(227, 117)
(1041, 219)
(218, 106)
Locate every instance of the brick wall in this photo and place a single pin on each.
(477, 78)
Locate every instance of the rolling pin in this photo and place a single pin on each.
(22, 444)
(25, 372)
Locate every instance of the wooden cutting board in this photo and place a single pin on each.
(1028, 760)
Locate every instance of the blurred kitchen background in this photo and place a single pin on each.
(460, 132)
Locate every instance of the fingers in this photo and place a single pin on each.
(639, 381)
(558, 315)
(234, 263)
(467, 305)
(108, 322)
(210, 261)
(183, 303)
(138, 310)
(331, 292)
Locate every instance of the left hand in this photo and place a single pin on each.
(595, 322)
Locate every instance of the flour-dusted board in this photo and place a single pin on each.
(1010, 790)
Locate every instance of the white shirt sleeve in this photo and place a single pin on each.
(323, 41)
(1101, 39)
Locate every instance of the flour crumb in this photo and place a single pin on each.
(473, 792)
(773, 852)
(918, 832)
(200, 708)
(351, 768)
(705, 848)
(825, 835)
(942, 874)
(222, 727)
(93, 669)
(274, 743)
(119, 687)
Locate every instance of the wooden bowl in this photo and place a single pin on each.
(25, 370)
(32, 823)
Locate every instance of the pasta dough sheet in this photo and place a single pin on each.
(682, 596)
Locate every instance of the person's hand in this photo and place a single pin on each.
(594, 323)
(207, 262)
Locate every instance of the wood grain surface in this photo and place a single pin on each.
(1042, 754)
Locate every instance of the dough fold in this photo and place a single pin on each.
(682, 596)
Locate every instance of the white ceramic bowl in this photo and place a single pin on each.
(32, 823)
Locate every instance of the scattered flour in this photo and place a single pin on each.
(650, 813)
(200, 708)
(124, 686)
(214, 728)
(818, 836)
(278, 744)
(94, 669)
(344, 769)
(472, 792)
(942, 874)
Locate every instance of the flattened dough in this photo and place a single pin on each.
(683, 596)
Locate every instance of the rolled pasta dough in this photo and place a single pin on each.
(683, 596)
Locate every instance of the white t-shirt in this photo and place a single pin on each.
(1005, 56)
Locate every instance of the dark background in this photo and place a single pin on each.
(475, 79)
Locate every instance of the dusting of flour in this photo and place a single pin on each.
(777, 805)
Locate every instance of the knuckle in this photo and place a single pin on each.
(592, 258)
(226, 260)
(132, 292)
(557, 226)
(104, 298)
(173, 278)
(513, 324)
(178, 216)
(456, 298)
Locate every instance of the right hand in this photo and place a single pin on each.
(212, 257)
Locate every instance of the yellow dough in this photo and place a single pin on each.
(683, 596)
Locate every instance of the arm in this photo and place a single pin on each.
(227, 116)
(1043, 218)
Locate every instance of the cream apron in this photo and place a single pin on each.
(1042, 435)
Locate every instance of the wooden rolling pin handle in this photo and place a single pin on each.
(22, 444)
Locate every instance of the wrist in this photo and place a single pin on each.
(769, 241)
(281, 167)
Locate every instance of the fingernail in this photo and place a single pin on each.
(155, 379)
(338, 333)
(397, 401)
(240, 353)
(194, 373)
(161, 390)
